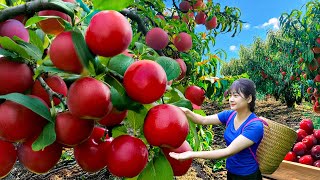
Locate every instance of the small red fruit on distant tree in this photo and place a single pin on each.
(39, 161)
(195, 94)
(310, 90)
(14, 77)
(126, 156)
(108, 34)
(8, 157)
(300, 148)
(184, 6)
(89, 98)
(71, 130)
(183, 42)
(306, 159)
(115, 117)
(211, 23)
(174, 126)
(90, 155)
(318, 40)
(179, 167)
(199, 5)
(291, 156)
(307, 125)
(157, 38)
(12, 27)
(145, 81)
(183, 68)
(301, 134)
(201, 17)
(63, 54)
(56, 83)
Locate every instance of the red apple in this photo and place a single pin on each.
(63, 53)
(316, 134)
(18, 123)
(14, 77)
(13, 27)
(310, 141)
(195, 94)
(315, 152)
(307, 125)
(89, 98)
(179, 167)
(56, 83)
(8, 157)
(108, 34)
(115, 117)
(211, 23)
(39, 161)
(306, 159)
(166, 125)
(90, 155)
(184, 6)
(157, 38)
(301, 134)
(183, 68)
(291, 156)
(317, 163)
(71, 130)
(183, 42)
(300, 148)
(126, 156)
(201, 17)
(145, 81)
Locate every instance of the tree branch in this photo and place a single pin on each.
(30, 8)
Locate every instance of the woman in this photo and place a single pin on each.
(242, 137)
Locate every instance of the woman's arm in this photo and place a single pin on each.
(199, 119)
(240, 143)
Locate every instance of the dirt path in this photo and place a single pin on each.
(201, 169)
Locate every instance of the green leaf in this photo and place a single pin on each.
(120, 63)
(183, 103)
(111, 4)
(81, 48)
(118, 131)
(33, 51)
(46, 138)
(158, 168)
(36, 19)
(36, 40)
(68, 7)
(31, 103)
(9, 44)
(7, 53)
(136, 120)
(170, 66)
(193, 131)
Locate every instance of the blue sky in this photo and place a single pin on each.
(260, 15)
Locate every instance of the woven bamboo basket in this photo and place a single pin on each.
(276, 143)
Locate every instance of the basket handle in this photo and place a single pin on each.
(254, 119)
(231, 115)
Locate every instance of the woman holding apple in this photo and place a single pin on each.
(243, 133)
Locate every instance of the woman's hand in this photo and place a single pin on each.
(181, 156)
(185, 110)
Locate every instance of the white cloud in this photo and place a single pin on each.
(246, 26)
(274, 22)
(233, 48)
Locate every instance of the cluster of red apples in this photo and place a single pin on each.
(306, 149)
(83, 125)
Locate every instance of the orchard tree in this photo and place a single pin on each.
(102, 75)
